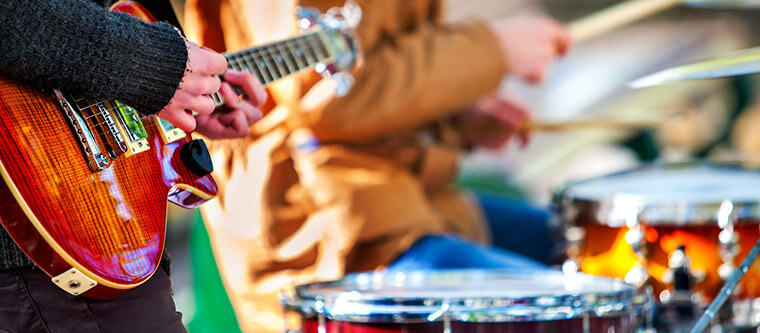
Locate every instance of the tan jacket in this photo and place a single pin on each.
(381, 177)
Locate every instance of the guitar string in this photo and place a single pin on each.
(279, 58)
(248, 68)
(239, 66)
(249, 54)
(257, 54)
(252, 55)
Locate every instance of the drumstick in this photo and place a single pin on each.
(620, 124)
(727, 290)
(583, 29)
(552, 126)
(617, 16)
(597, 24)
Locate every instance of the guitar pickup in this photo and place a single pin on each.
(130, 127)
(167, 131)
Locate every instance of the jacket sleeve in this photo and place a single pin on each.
(410, 80)
(82, 48)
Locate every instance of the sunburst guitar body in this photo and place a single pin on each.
(86, 184)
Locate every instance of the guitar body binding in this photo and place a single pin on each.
(97, 229)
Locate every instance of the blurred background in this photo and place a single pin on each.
(712, 120)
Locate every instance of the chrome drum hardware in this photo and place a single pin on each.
(681, 229)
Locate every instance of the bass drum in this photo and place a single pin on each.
(677, 228)
(469, 301)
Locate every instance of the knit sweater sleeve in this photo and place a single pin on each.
(84, 49)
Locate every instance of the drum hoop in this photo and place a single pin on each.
(367, 309)
(673, 213)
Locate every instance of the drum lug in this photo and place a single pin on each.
(636, 238)
(680, 302)
(728, 239)
(575, 237)
(570, 266)
(729, 249)
(638, 275)
(682, 279)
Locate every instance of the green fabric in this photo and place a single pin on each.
(213, 310)
(493, 184)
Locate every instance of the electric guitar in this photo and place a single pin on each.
(86, 182)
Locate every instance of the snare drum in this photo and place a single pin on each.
(644, 224)
(469, 301)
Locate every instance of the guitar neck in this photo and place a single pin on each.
(277, 60)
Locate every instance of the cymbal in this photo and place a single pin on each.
(724, 4)
(626, 12)
(737, 63)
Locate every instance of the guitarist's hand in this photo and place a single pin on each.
(200, 80)
(237, 115)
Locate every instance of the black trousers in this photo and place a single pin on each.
(30, 302)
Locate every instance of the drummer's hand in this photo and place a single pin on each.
(498, 119)
(236, 116)
(529, 45)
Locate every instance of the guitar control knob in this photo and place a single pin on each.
(196, 158)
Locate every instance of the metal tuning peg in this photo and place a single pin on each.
(307, 17)
(352, 14)
(343, 83)
(336, 30)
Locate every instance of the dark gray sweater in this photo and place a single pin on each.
(84, 49)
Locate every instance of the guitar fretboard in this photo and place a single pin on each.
(277, 60)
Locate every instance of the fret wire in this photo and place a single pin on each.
(262, 65)
(266, 61)
(320, 50)
(323, 45)
(309, 41)
(286, 58)
(235, 64)
(272, 60)
(317, 40)
(301, 52)
(276, 56)
(308, 47)
(247, 51)
(294, 56)
(217, 98)
(281, 52)
(315, 47)
(254, 68)
(308, 52)
(238, 62)
(243, 63)
(297, 40)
